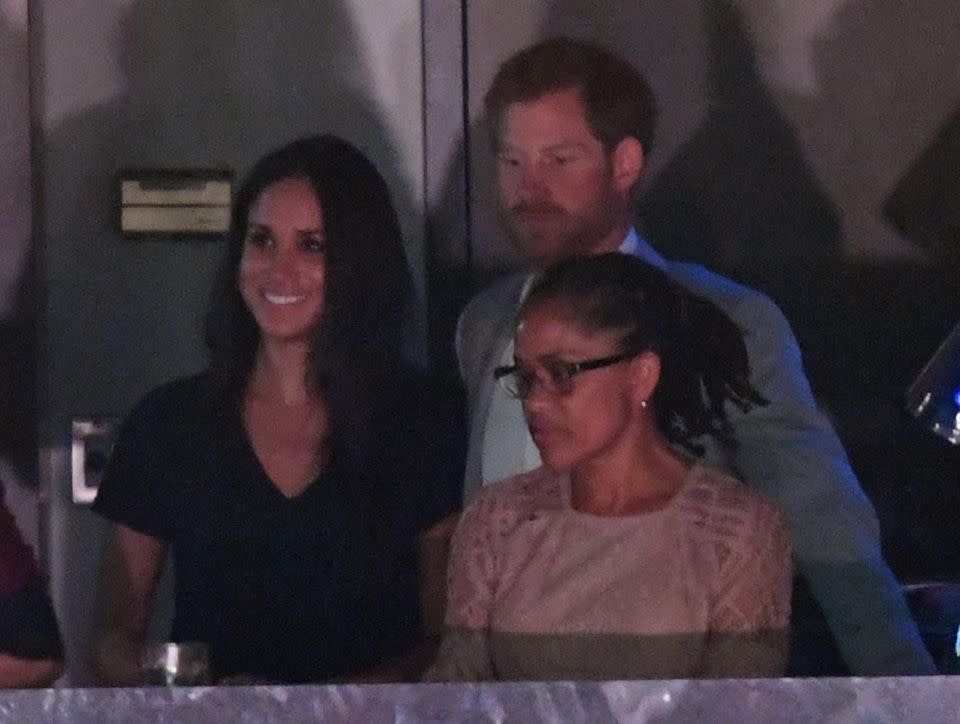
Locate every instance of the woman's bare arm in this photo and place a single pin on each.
(20, 673)
(131, 568)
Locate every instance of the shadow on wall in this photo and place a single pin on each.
(888, 84)
(925, 205)
(888, 77)
(18, 275)
(216, 87)
(740, 196)
(18, 376)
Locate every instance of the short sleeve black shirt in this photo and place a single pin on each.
(291, 589)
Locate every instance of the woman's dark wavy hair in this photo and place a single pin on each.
(354, 356)
(703, 359)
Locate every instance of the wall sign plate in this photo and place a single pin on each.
(175, 202)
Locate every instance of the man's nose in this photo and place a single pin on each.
(532, 183)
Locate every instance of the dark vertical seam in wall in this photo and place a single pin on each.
(38, 268)
(424, 140)
(426, 228)
(467, 175)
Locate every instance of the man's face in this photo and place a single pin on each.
(555, 181)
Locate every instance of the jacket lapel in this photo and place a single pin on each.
(482, 388)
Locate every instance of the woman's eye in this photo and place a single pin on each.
(559, 370)
(258, 238)
(315, 244)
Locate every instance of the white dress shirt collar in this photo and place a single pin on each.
(637, 246)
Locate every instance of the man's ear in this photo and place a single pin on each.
(628, 160)
(646, 368)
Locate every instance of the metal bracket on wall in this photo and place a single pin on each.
(91, 443)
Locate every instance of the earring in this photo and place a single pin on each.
(643, 404)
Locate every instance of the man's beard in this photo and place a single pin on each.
(545, 233)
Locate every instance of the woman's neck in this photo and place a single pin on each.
(633, 478)
(279, 374)
(288, 427)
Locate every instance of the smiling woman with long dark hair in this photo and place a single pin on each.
(280, 479)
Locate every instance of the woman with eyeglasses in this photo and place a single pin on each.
(287, 480)
(622, 556)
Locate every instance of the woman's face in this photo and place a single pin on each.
(598, 414)
(282, 271)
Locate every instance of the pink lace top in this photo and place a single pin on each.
(538, 590)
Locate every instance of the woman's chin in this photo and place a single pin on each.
(555, 460)
(285, 334)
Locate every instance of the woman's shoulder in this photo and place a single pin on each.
(719, 505)
(186, 403)
(498, 509)
(518, 497)
(180, 396)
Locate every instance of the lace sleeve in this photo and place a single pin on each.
(750, 617)
(472, 572)
(471, 581)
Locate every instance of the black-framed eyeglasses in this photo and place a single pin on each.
(557, 377)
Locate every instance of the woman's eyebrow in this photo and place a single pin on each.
(566, 146)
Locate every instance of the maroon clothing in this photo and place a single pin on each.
(17, 567)
(28, 627)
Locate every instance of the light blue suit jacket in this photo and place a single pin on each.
(788, 451)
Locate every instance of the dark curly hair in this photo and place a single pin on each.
(354, 353)
(703, 359)
(617, 98)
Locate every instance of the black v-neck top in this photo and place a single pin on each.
(298, 589)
